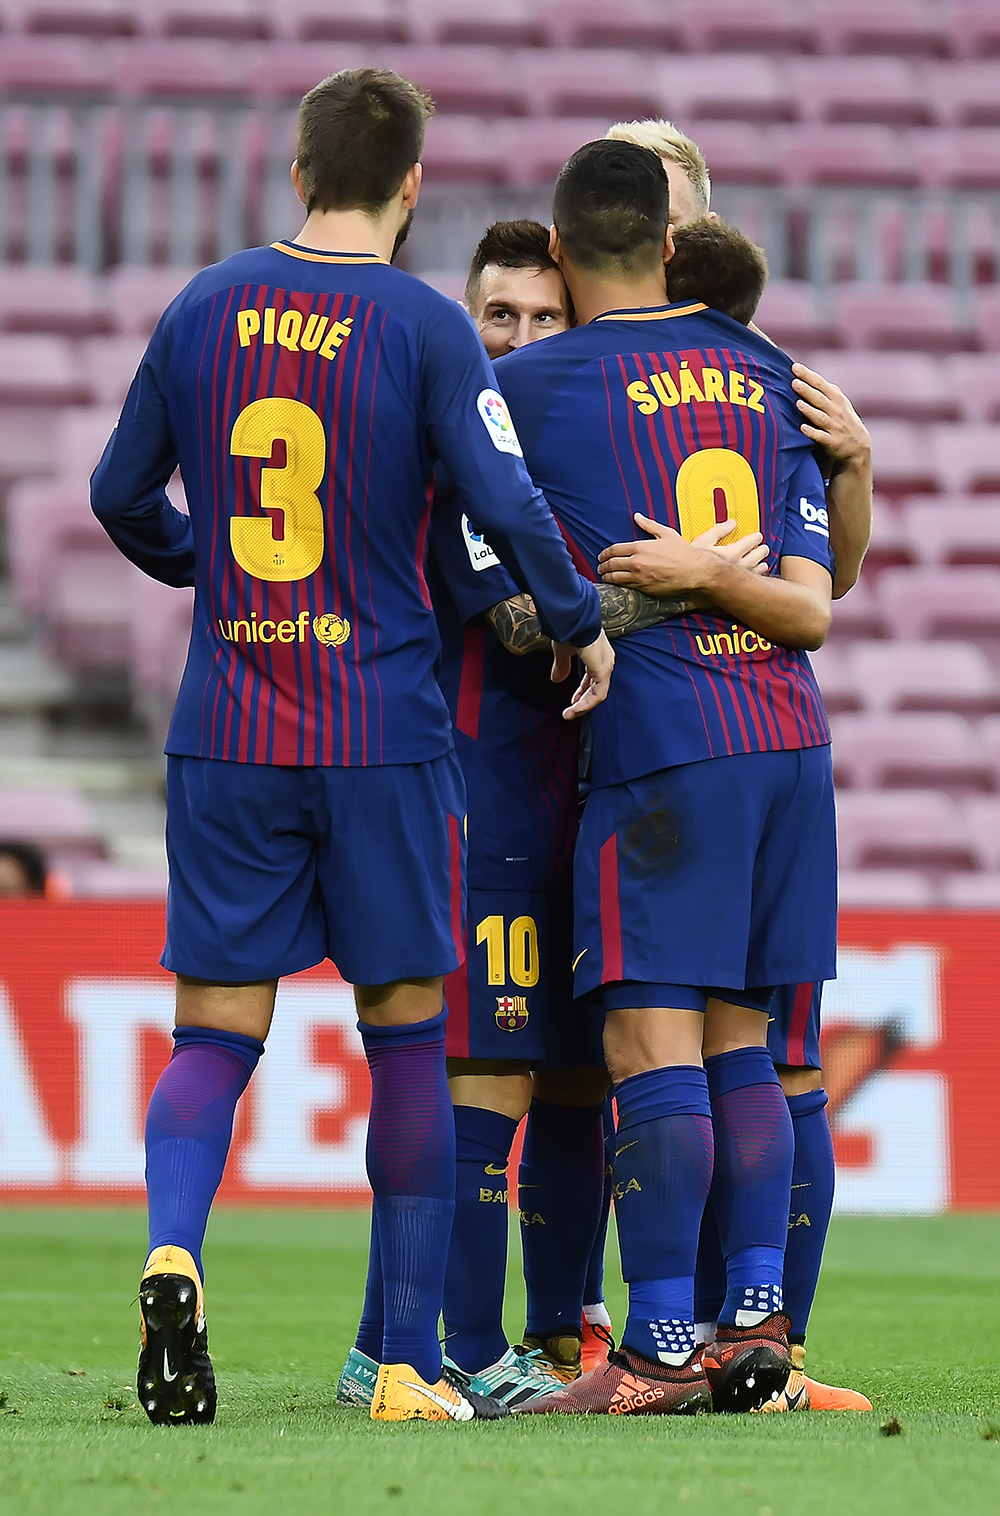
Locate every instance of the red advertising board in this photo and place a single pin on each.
(911, 1048)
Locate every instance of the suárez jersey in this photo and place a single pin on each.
(306, 396)
(518, 755)
(683, 414)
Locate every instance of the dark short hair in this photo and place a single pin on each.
(612, 207)
(31, 861)
(509, 244)
(715, 263)
(359, 133)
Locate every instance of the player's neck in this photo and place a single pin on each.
(348, 232)
(594, 295)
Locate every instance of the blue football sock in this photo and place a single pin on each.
(189, 1126)
(709, 1275)
(812, 1203)
(560, 1187)
(411, 1169)
(593, 1285)
(371, 1328)
(753, 1176)
(477, 1259)
(663, 1168)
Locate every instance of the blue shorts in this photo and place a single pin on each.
(793, 1029)
(274, 869)
(513, 996)
(721, 873)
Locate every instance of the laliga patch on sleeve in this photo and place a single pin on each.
(481, 555)
(496, 418)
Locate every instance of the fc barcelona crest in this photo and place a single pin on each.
(512, 1012)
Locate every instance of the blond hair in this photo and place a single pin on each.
(669, 143)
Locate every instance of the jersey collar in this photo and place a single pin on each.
(652, 312)
(311, 255)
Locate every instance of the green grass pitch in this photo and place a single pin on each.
(909, 1310)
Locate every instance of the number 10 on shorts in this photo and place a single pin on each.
(518, 945)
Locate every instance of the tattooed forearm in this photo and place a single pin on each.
(515, 621)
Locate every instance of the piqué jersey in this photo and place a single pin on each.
(306, 396)
(684, 415)
(518, 755)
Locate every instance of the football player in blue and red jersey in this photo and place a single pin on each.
(705, 869)
(315, 807)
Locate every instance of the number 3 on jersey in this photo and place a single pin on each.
(290, 490)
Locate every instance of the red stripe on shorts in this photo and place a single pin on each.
(457, 893)
(611, 916)
(797, 1025)
(456, 1028)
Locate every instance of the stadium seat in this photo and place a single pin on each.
(905, 316)
(534, 151)
(97, 19)
(40, 370)
(923, 676)
(904, 27)
(836, 679)
(177, 68)
(591, 81)
(885, 91)
(987, 317)
(900, 456)
(724, 87)
(966, 457)
(860, 156)
(902, 829)
(42, 514)
(911, 386)
(970, 892)
(26, 441)
(66, 301)
(48, 817)
(80, 439)
(791, 316)
(975, 29)
(882, 749)
(964, 94)
(516, 23)
(974, 379)
(63, 66)
(764, 26)
(138, 296)
(857, 614)
(463, 149)
(469, 80)
(890, 545)
(942, 532)
(647, 25)
(370, 21)
(228, 20)
(109, 365)
(286, 70)
(88, 605)
(161, 630)
(989, 736)
(737, 152)
(966, 159)
(886, 889)
(948, 602)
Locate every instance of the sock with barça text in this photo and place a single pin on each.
(594, 1309)
(411, 1169)
(753, 1176)
(812, 1204)
(663, 1169)
(189, 1126)
(477, 1259)
(560, 1187)
(371, 1328)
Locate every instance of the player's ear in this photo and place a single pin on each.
(297, 182)
(668, 245)
(555, 247)
(411, 185)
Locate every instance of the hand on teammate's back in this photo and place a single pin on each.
(829, 418)
(664, 562)
(598, 659)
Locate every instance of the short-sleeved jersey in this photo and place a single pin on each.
(684, 415)
(518, 755)
(306, 397)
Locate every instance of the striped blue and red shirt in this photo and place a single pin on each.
(683, 414)
(306, 397)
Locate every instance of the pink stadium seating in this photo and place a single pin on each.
(869, 156)
(139, 296)
(886, 889)
(883, 749)
(737, 152)
(989, 736)
(912, 386)
(971, 892)
(900, 454)
(80, 439)
(177, 68)
(161, 630)
(642, 24)
(857, 614)
(960, 159)
(902, 829)
(952, 533)
(922, 602)
(561, 82)
(790, 313)
(778, 26)
(987, 317)
(84, 18)
(966, 457)
(25, 441)
(982, 818)
(109, 366)
(88, 605)
(516, 23)
(43, 515)
(286, 70)
(922, 316)
(229, 20)
(964, 94)
(975, 29)
(49, 817)
(533, 152)
(974, 379)
(97, 879)
(725, 87)
(64, 65)
(909, 27)
(465, 149)
(927, 676)
(880, 90)
(36, 298)
(347, 21)
(836, 678)
(40, 370)
(474, 80)
(890, 544)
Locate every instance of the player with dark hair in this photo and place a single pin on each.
(314, 802)
(22, 869)
(695, 893)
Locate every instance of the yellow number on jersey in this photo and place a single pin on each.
(291, 489)
(698, 479)
(522, 940)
